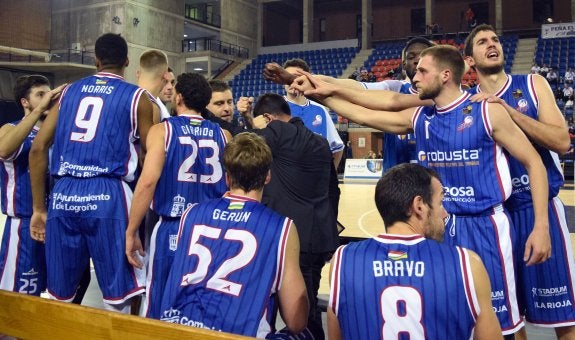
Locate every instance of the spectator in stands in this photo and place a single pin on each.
(552, 76)
(543, 70)
(567, 91)
(363, 75)
(569, 76)
(470, 18)
(535, 69)
(569, 102)
(371, 78)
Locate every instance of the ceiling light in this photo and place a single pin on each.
(198, 69)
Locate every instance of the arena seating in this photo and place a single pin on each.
(332, 62)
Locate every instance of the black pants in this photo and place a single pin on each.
(311, 265)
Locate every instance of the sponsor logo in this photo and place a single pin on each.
(467, 109)
(467, 122)
(448, 156)
(522, 106)
(553, 305)
(500, 309)
(548, 292)
(459, 194)
(175, 316)
(497, 295)
(317, 121)
(517, 94)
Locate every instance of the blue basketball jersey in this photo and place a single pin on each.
(399, 149)
(97, 128)
(228, 263)
(316, 118)
(456, 141)
(403, 287)
(193, 170)
(519, 93)
(15, 180)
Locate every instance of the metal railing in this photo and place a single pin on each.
(53, 56)
(206, 44)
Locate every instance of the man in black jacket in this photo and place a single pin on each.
(299, 189)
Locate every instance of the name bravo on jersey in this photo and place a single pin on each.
(398, 268)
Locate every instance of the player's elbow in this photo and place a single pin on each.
(564, 146)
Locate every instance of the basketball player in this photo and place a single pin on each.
(529, 101)
(22, 260)
(153, 76)
(406, 282)
(93, 130)
(182, 167)
(234, 253)
(168, 89)
(463, 142)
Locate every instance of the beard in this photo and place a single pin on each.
(492, 69)
(430, 92)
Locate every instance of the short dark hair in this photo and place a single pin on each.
(24, 85)
(112, 50)
(447, 56)
(271, 103)
(395, 191)
(247, 159)
(297, 62)
(195, 90)
(413, 41)
(468, 47)
(219, 85)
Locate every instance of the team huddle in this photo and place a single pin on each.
(218, 226)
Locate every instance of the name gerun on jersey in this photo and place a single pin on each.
(99, 89)
(233, 216)
(398, 268)
(197, 131)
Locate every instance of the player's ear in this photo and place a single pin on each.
(268, 177)
(127, 62)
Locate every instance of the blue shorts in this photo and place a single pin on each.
(163, 245)
(22, 260)
(88, 218)
(492, 238)
(546, 291)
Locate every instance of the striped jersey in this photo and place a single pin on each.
(403, 287)
(15, 180)
(519, 92)
(228, 263)
(316, 118)
(97, 129)
(193, 170)
(399, 149)
(456, 141)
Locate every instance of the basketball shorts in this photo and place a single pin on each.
(492, 238)
(22, 260)
(88, 218)
(163, 244)
(546, 291)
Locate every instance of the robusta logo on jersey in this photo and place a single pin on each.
(452, 158)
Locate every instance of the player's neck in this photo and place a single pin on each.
(112, 69)
(299, 100)
(404, 228)
(254, 194)
(184, 111)
(448, 95)
(491, 83)
(151, 86)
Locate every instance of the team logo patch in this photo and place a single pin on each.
(517, 94)
(173, 242)
(467, 110)
(317, 121)
(522, 106)
(467, 122)
(178, 206)
(396, 255)
(236, 205)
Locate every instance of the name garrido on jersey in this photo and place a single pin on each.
(100, 89)
(197, 131)
(398, 268)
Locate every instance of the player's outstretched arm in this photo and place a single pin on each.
(487, 326)
(12, 136)
(507, 134)
(38, 159)
(294, 306)
(144, 193)
(371, 99)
